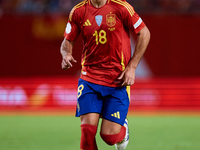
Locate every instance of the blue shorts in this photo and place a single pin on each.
(111, 102)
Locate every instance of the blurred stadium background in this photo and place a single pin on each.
(33, 83)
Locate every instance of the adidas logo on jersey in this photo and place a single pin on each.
(87, 23)
(116, 115)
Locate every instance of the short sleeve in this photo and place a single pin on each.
(131, 19)
(72, 29)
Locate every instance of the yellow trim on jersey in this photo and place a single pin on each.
(122, 62)
(75, 7)
(84, 60)
(108, 1)
(128, 90)
(126, 5)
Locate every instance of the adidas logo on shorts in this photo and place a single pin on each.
(116, 115)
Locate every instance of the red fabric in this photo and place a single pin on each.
(114, 138)
(105, 32)
(88, 141)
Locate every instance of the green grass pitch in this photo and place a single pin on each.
(63, 133)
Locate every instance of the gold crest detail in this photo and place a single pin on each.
(110, 20)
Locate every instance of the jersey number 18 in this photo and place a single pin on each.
(101, 37)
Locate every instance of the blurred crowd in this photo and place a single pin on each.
(62, 6)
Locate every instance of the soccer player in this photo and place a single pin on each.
(108, 70)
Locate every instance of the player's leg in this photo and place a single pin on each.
(112, 132)
(122, 145)
(89, 123)
(114, 129)
(89, 107)
(90, 118)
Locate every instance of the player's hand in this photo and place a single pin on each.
(66, 62)
(128, 76)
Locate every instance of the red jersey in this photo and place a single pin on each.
(105, 32)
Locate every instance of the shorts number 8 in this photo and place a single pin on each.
(80, 89)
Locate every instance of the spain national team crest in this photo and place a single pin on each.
(99, 19)
(110, 20)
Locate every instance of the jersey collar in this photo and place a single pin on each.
(89, 2)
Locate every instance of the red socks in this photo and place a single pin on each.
(88, 141)
(114, 138)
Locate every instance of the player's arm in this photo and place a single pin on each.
(71, 33)
(66, 52)
(128, 75)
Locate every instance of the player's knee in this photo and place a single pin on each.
(109, 139)
(112, 139)
(87, 129)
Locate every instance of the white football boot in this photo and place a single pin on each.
(122, 145)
